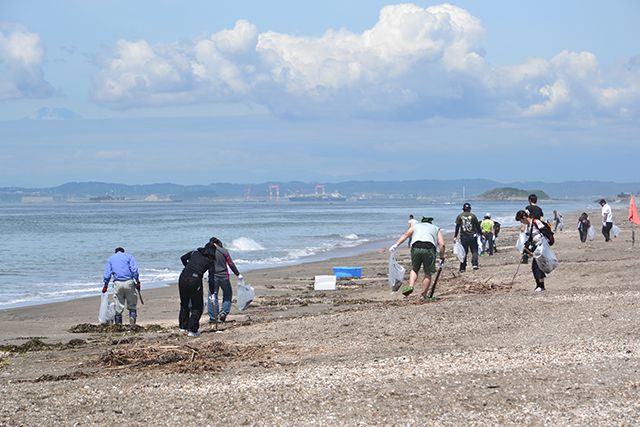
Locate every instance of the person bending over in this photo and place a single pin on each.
(424, 237)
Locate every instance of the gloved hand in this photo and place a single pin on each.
(240, 277)
(393, 247)
(138, 285)
(441, 264)
(104, 289)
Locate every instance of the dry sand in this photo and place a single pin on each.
(487, 351)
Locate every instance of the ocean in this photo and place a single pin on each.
(54, 252)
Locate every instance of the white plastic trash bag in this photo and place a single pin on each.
(522, 240)
(480, 245)
(591, 232)
(396, 272)
(545, 257)
(107, 310)
(246, 293)
(458, 251)
(615, 231)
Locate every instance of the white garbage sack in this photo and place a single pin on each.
(480, 245)
(522, 240)
(545, 257)
(107, 311)
(246, 294)
(591, 232)
(458, 251)
(396, 272)
(615, 231)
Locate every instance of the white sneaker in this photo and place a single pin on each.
(193, 334)
(539, 289)
(183, 331)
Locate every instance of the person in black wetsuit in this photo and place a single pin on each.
(196, 263)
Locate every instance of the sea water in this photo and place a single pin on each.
(54, 252)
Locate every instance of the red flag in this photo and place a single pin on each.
(633, 212)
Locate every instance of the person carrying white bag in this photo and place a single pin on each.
(426, 240)
(544, 260)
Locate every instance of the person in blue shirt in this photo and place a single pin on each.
(122, 268)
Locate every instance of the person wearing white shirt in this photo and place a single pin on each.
(607, 220)
(412, 221)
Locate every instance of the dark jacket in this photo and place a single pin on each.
(200, 260)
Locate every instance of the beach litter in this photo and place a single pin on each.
(36, 344)
(324, 283)
(84, 328)
(179, 357)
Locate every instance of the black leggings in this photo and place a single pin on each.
(191, 305)
(606, 230)
(538, 274)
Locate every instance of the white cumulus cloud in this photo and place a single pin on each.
(21, 56)
(412, 63)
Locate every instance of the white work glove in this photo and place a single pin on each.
(441, 264)
(240, 277)
(393, 248)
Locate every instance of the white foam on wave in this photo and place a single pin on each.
(293, 255)
(352, 236)
(158, 275)
(245, 244)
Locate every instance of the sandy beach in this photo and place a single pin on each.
(486, 351)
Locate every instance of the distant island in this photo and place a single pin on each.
(510, 193)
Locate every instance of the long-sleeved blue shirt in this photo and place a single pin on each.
(121, 266)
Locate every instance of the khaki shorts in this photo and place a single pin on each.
(423, 257)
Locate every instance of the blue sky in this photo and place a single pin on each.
(252, 91)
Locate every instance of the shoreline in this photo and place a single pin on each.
(89, 304)
(164, 270)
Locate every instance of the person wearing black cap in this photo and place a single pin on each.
(468, 226)
(607, 220)
(425, 237)
(196, 263)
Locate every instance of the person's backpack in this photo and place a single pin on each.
(546, 231)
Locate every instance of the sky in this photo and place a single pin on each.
(240, 91)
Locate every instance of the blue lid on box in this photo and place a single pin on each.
(343, 272)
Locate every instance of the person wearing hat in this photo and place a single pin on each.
(486, 226)
(607, 220)
(424, 237)
(468, 226)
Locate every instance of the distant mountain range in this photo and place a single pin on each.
(428, 189)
